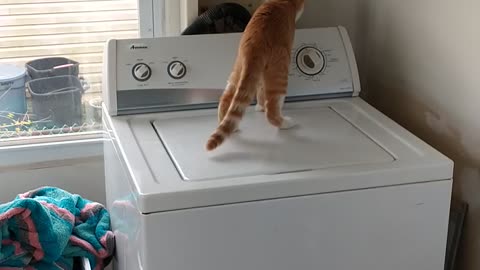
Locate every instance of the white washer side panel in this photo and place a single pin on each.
(395, 228)
(121, 202)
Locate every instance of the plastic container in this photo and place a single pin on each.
(94, 111)
(56, 101)
(12, 89)
(52, 66)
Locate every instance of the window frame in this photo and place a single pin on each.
(26, 140)
(153, 22)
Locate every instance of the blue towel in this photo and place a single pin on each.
(48, 227)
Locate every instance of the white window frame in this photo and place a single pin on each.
(155, 21)
(54, 150)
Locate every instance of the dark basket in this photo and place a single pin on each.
(57, 101)
(51, 67)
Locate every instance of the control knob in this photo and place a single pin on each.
(177, 70)
(310, 61)
(141, 72)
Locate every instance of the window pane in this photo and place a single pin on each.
(51, 62)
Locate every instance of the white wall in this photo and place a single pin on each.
(85, 178)
(76, 167)
(418, 62)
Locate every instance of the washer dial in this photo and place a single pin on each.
(310, 61)
(141, 72)
(177, 70)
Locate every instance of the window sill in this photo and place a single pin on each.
(51, 151)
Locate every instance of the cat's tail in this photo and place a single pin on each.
(244, 95)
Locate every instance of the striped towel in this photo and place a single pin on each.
(48, 227)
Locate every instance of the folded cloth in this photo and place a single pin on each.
(48, 227)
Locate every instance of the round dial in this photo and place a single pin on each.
(310, 61)
(177, 70)
(141, 72)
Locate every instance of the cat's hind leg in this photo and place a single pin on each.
(229, 93)
(225, 100)
(260, 107)
(276, 83)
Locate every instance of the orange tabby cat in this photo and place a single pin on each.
(261, 68)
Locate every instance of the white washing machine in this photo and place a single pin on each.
(347, 189)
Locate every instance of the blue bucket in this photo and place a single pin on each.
(12, 89)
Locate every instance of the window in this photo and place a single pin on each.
(59, 43)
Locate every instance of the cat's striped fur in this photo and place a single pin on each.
(261, 68)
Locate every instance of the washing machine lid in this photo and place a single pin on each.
(339, 145)
(323, 138)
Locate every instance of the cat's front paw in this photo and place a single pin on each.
(288, 123)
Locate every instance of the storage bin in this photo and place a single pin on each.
(52, 66)
(56, 101)
(12, 89)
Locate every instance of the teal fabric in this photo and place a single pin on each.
(48, 227)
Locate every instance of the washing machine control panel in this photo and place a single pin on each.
(192, 70)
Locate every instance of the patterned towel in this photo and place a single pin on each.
(48, 227)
